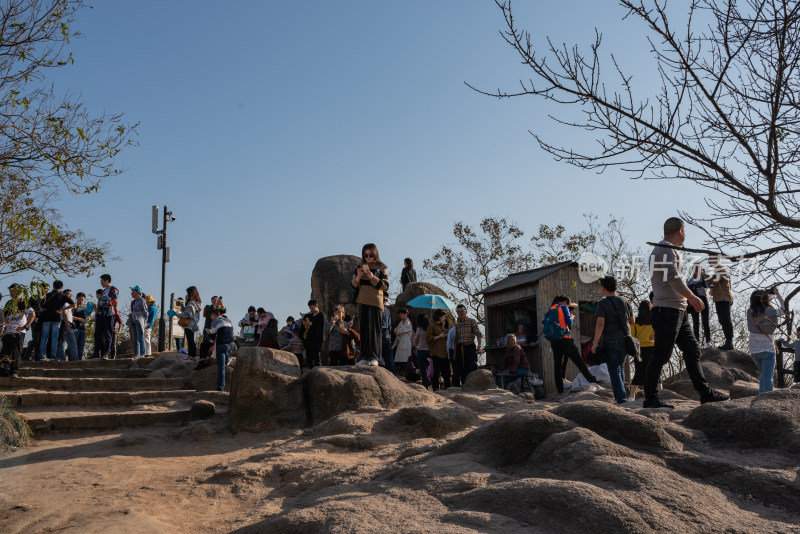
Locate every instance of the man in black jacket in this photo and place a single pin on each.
(314, 333)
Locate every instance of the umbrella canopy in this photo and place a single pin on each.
(431, 302)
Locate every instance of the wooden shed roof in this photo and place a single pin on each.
(526, 277)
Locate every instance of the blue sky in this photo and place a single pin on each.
(279, 132)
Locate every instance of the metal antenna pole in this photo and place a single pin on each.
(162, 328)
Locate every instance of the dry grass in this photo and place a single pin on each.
(14, 431)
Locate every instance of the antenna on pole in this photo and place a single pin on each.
(161, 244)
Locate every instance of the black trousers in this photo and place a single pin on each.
(191, 346)
(36, 333)
(724, 316)
(369, 322)
(336, 357)
(671, 327)
(640, 368)
(467, 358)
(696, 316)
(441, 367)
(12, 347)
(205, 347)
(312, 355)
(104, 334)
(458, 368)
(564, 349)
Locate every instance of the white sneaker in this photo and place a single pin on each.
(373, 363)
(708, 346)
(362, 362)
(567, 384)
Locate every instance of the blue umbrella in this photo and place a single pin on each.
(432, 302)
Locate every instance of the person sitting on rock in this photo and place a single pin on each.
(269, 337)
(249, 319)
(289, 328)
(264, 317)
(221, 332)
(515, 364)
(296, 347)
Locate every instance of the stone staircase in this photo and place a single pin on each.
(99, 395)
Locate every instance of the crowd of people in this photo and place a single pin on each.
(57, 320)
(435, 352)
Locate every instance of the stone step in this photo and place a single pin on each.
(92, 384)
(43, 422)
(36, 398)
(119, 363)
(80, 372)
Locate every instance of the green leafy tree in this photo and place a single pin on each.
(553, 244)
(34, 238)
(48, 142)
(46, 137)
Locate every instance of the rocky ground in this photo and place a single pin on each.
(390, 457)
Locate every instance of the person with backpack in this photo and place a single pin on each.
(556, 328)
(611, 328)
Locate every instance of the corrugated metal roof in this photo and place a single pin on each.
(527, 277)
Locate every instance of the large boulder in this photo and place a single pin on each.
(267, 391)
(721, 368)
(768, 420)
(333, 390)
(206, 379)
(330, 282)
(479, 380)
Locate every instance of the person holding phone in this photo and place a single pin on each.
(371, 279)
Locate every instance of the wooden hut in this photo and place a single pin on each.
(517, 304)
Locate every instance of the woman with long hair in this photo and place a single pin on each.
(192, 310)
(371, 280)
(642, 329)
(420, 343)
(408, 274)
(269, 337)
(762, 321)
(436, 337)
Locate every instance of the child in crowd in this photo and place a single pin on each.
(295, 346)
(289, 328)
(350, 341)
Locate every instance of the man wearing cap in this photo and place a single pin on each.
(151, 317)
(137, 320)
(17, 319)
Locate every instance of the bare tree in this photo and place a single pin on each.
(725, 117)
